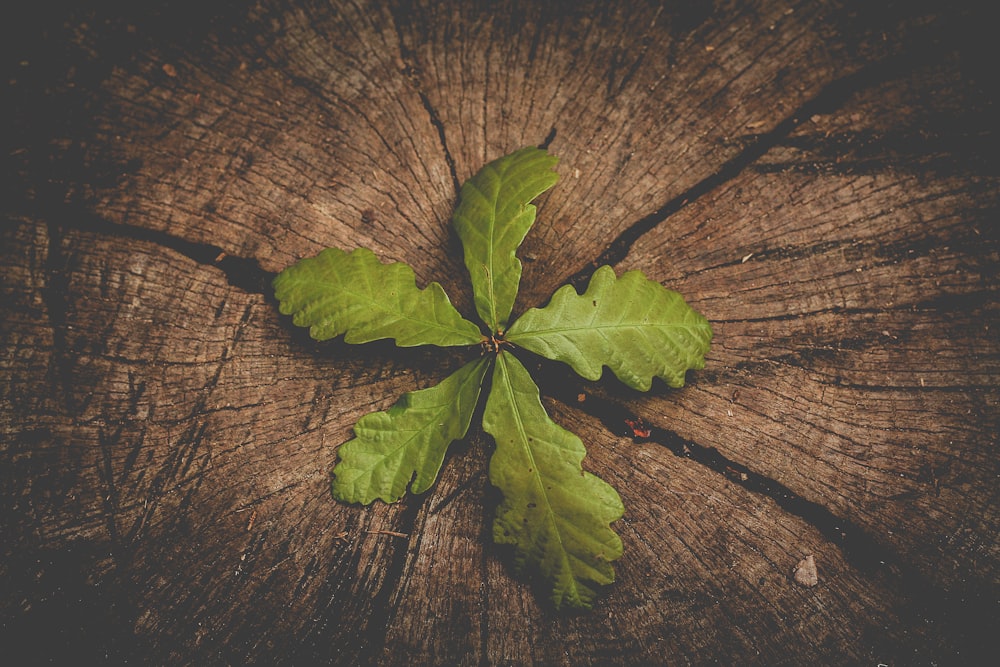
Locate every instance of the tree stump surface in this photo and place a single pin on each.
(819, 179)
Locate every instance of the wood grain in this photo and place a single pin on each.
(819, 179)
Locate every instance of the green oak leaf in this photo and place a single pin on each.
(554, 514)
(633, 325)
(409, 440)
(493, 216)
(355, 294)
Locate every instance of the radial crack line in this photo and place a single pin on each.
(411, 72)
(241, 272)
(830, 98)
(858, 547)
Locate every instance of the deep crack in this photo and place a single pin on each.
(411, 72)
(830, 98)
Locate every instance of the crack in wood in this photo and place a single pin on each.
(549, 138)
(859, 548)
(435, 119)
(411, 73)
(243, 273)
(458, 490)
(833, 96)
(380, 621)
(340, 601)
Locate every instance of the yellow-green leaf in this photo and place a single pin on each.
(356, 295)
(556, 516)
(634, 326)
(494, 214)
(409, 440)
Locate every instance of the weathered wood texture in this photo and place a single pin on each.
(819, 178)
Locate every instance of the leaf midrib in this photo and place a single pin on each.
(403, 315)
(415, 433)
(551, 514)
(531, 333)
(494, 322)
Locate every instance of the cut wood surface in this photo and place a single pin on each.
(819, 179)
